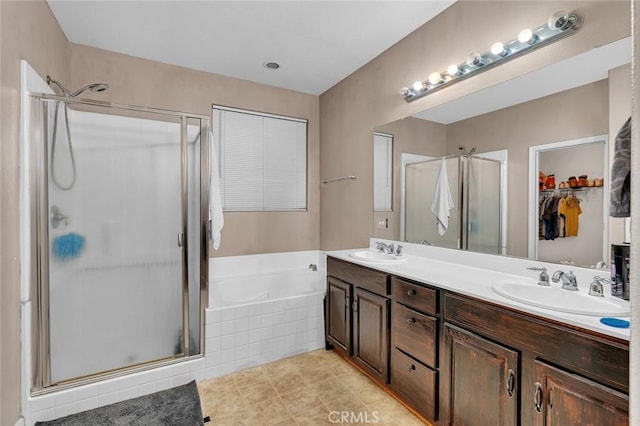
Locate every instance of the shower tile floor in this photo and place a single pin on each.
(308, 389)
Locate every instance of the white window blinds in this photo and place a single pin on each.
(382, 171)
(263, 161)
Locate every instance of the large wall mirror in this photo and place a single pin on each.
(477, 148)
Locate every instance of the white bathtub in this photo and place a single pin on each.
(263, 308)
(254, 288)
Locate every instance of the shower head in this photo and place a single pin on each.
(464, 150)
(94, 87)
(51, 81)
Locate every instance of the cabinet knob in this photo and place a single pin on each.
(411, 320)
(412, 368)
(411, 292)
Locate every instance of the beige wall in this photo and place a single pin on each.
(413, 136)
(369, 97)
(573, 114)
(28, 31)
(137, 81)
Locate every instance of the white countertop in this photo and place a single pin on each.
(459, 272)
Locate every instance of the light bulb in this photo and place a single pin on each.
(418, 86)
(405, 91)
(474, 60)
(435, 78)
(453, 70)
(498, 48)
(525, 36)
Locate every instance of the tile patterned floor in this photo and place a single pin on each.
(310, 389)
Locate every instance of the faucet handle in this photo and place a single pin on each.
(399, 250)
(543, 278)
(596, 288)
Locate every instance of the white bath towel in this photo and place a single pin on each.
(442, 200)
(215, 201)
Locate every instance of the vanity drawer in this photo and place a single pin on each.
(359, 276)
(415, 333)
(415, 383)
(416, 296)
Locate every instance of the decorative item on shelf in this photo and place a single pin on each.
(542, 178)
(598, 182)
(591, 182)
(573, 182)
(551, 182)
(561, 24)
(582, 181)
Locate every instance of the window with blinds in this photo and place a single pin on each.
(382, 172)
(262, 160)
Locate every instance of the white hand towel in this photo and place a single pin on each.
(442, 200)
(215, 200)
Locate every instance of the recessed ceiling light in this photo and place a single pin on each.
(271, 65)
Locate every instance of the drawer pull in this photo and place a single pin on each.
(511, 383)
(411, 292)
(537, 397)
(412, 368)
(411, 320)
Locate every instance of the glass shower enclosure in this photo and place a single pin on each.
(119, 201)
(474, 221)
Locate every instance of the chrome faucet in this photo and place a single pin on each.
(543, 278)
(399, 250)
(385, 248)
(569, 281)
(425, 242)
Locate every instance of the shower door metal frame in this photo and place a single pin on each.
(39, 253)
(463, 194)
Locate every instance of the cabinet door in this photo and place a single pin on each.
(482, 381)
(371, 333)
(338, 315)
(565, 399)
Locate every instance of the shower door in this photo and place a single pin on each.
(120, 239)
(420, 190)
(474, 221)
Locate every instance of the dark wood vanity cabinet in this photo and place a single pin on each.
(338, 310)
(370, 333)
(562, 398)
(357, 315)
(458, 360)
(501, 366)
(483, 380)
(414, 348)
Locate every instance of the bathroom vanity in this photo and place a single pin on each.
(458, 355)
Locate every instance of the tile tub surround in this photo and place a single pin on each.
(249, 335)
(310, 389)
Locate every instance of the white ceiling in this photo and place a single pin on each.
(317, 43)
(579, 70)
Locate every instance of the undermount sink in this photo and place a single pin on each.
(377, 257)
(557, 299)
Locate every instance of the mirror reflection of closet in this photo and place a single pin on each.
(567, 184)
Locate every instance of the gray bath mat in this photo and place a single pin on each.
(178, 406)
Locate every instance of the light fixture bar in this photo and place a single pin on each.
(560, 25)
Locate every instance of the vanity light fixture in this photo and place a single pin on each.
(561, 24)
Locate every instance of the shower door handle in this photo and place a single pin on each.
(180, 239)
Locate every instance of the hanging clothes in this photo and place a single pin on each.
(570, 209)
(558, 216)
